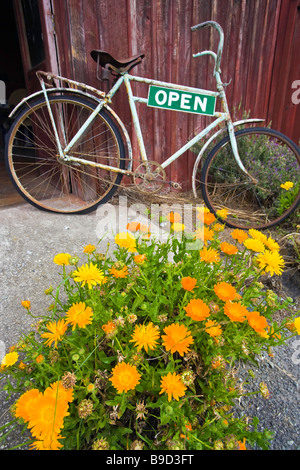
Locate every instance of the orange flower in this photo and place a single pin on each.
(173, 386)
(139, 259)
(109, 327)
(209, 255)
(177, 338)
(209, 218)
(242, 445)
(174, 217)
(235, 311)
(188, 283)
(26, 304)
(119, 273)
(125, 377)
(133, 226)
(239, 235)
(197, 310)
(228, 249)
(39, 359)
(212, 328)
(225, 291)
(258, 323)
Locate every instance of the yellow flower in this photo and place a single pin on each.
(126, 240)
(222, 213)
(225, 291)
(297, 325)
(125, 377)
(272, 245)
(10, 359)
(59, 392)
(26, 403)
(197, 310)
(239, 235)
(62, 259)
(39, 359)
(257, 235)
(209, 255)
(287, 185)
(188, 283)
(56, 331)
(88, 274)
(254, 245)
(89, 249)
(272, 262)
(79, 315)
(235, 311)
(173, 386)
(212, 328)
(178, 227)
(145, 336)
(174, 217)
(228, 249)
(139, 259)
(177, 339)
(26, 304)
(47, 416)
(49, 443)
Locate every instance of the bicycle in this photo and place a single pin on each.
(67, 150)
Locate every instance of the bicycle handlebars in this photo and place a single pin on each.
(217, 57)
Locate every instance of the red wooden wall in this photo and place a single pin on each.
(261, 58)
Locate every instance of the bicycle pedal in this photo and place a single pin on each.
(176, 185)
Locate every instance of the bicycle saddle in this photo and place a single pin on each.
(105, 60)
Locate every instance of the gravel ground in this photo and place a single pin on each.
(30, 238)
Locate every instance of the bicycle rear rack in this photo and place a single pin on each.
(52, 80)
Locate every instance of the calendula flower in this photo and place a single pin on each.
(173, 386)
(88, 274)
(177, 339)
(228, 249)
(271, 244)
(212, 328)
(26, 403)
(133, 226)
(10, 359)
(39, 359)
(242, 444)
(49, 443)
(62, 259)
(79, 315)
(178, 227)
(197, 310)
(119, 273)
(235, 311)
(126, 240)
(125, 377)
(188, 283)
(287, 185)
(145, 336)
(139, 259)
(297, 325)
(174, 217)
(259, 323)
(257, 235)
(222, 213)
(59, 392)
(239, 235)
(225, 291)
(85, 408)
(56, 331)
(141, 410)
(209, 255)
(271, 261)
(89, 249)
(26, 304)
(47, 416)
(109, 327)
(218, 227)
(254, 245)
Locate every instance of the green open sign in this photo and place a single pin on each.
(181, 100)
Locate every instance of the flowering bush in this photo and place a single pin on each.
(141, 352)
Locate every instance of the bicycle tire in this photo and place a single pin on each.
(33, 163)
(272, 159)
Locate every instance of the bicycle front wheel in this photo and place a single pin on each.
(53, 184)
(272, 160)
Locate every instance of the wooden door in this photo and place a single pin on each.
(35, 24)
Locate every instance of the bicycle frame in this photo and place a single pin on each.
(105, 99)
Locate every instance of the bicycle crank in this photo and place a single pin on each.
(149, 177)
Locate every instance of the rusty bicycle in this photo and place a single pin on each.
(67, 150)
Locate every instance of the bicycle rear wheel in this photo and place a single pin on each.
(272, 159)
(34, 164)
